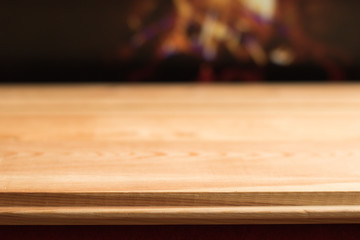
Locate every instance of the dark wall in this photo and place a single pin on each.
(60, 30)
(333, 21)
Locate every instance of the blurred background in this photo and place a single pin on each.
(179, 41)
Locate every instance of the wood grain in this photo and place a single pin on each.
(179, 154)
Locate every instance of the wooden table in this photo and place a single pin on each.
(179, 154)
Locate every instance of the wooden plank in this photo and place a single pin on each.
(180, 216)
(179, 154)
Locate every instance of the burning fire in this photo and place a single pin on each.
(257, 33)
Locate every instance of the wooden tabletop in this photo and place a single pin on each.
(179, 154)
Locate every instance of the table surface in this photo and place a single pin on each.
(179, 154)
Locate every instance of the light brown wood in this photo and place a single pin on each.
(179, 154)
